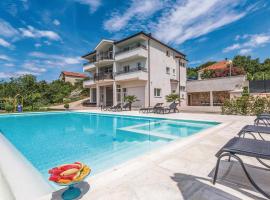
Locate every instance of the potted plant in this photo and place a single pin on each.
(130, 99)
(172, 97)
(66, 106)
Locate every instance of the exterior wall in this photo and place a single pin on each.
(158, 76)
(216, 84)
(71, 79)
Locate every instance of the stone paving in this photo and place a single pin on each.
(180, 170)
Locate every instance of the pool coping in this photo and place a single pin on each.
(153, 154)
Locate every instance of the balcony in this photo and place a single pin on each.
(139, 51)
(88, 83)
(104, 58)
(88, 66)
(132, 74)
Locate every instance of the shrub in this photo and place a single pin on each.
(66, 106)
(9, 107)
(172, 97)
(246, 105)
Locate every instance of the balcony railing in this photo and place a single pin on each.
(108, 55)
(102, 76)
(132, 70)
(130, 48)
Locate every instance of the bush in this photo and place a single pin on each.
(172, 97)
(246, 105)
(66, 106)
(9, 107)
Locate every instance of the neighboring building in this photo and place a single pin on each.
(138, 65)
(72, 77)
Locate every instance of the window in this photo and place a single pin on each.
(173, 91)
(181, 64)
(126, 68)
(157, 92)
(173, 71)
(167, 70)
(167, 53)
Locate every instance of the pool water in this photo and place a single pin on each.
(101, 141)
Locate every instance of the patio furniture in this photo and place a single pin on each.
(126, 106)
(150, 109)
(112, 108)
(251, 129)
(166, 110)
(244, 147)
(262, 120)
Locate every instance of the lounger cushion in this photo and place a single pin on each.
(247, 147)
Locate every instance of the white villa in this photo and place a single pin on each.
(138, 65)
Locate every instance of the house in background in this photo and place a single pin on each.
(138, 65)
(72, 77)
(209, 94)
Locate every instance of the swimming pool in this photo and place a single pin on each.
(99, 140)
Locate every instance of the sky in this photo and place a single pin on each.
(44, 38)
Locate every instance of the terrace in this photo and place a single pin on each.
(181, 170)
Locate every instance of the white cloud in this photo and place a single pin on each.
(6, 75)
(7, 30)
(191, 19)
(248, 42)
(232, 47)
(21, 72)
(137, 9)
(56, 60)
(56, 22)
(38, 45)
(5, 57)
(4, 43)
(31, 66)
(32, 32)
(245, 51)
(9, 64)
(93, 4)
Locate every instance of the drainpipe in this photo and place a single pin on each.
(149, 76)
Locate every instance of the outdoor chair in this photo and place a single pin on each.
(126, 106)
(112, 108)
(244, 147)
(150, 109)
(253, 129)
(262, 120)
(165, 110)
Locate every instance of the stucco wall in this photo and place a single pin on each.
(72, 80)
(158, 76)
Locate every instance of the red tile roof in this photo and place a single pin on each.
(74, 74)
(218, 65)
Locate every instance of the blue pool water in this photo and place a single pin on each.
(101, 141)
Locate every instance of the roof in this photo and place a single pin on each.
(218, 65)
(145, 34)
(74, 74)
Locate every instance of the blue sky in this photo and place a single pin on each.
(46, 37)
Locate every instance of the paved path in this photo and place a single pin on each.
(180, 170)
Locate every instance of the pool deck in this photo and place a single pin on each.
(181, 169)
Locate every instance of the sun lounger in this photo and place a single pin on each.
(126, 106)
(150, 109)
(253, 129)
(113, 108)
(262, 120)
(165, 110)
(244, 147)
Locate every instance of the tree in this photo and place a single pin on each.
(130, 99)
(172, 97)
